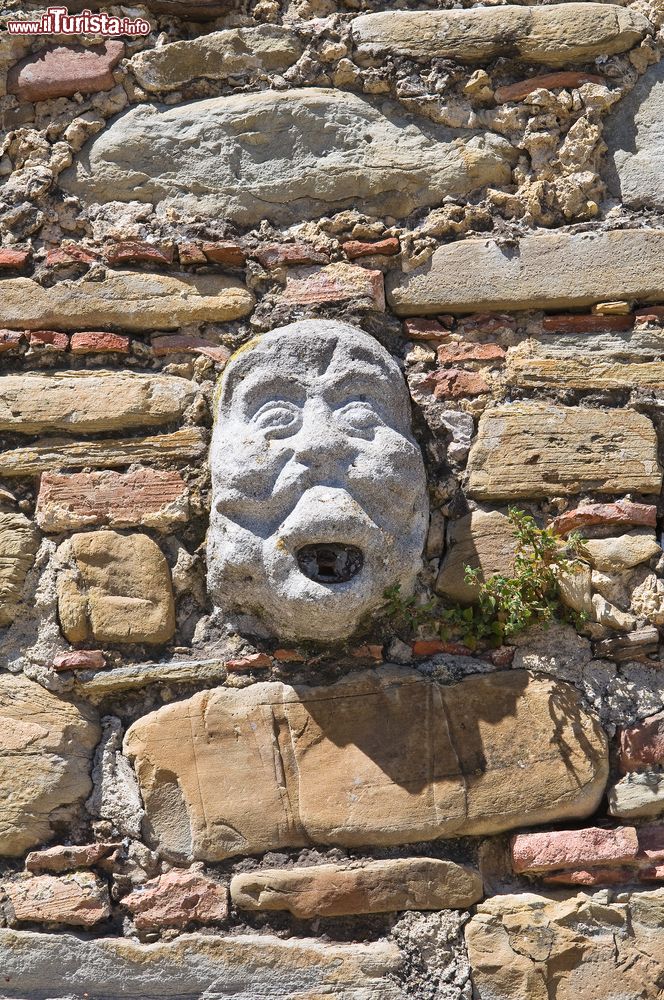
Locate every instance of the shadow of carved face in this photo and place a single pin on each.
(319, 489)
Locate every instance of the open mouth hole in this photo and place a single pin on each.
(330, 562)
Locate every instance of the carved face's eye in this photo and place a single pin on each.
(278, 419)
(358, 418)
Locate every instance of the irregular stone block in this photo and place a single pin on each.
(483, 540)
(586, 373)
(45, 747)
(580, 948)
(177, 899)
(555, 271)
(216, 56)
(121, 592)
(553, 35)
(642, 744)
(541, 852)
(615, 555)
(65, 859)
(533, 449)
(46, 454)
(147, 498)
(633, 134)
(245, 967)
(65, 70)
(378, 887)
(399, 757)
(129, 299)
(638, 794)
(80, 900)
(87, 402)
(620, 512)
(301, 154)
(337, 282)
(19, 540)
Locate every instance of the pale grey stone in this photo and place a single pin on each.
(634, 134)
(284, 156)
(193, 967)
(554, 271)
(115, 795)
(639, 794)
(313, 446)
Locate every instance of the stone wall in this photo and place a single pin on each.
(218, 780)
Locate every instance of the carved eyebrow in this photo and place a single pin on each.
(255, 391)
(357, 385)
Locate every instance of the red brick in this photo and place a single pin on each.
(356, 248)
(642, 745)
(654, 874)
(586, 323)
(278, 254)
(226, 253)
(588, 848)
(49, 339)
(466, 351)
(147, 497)
(99, 343)
(651, 843)
(620, 512)
(424, 329)
(657, 312)
(66, 256)
(10, 340)
(64, 70)
(137, 252)
(177, 899)
(335, 283)
(252, 661)
(549, 81)
(80, 659)
(594, 876)
(66, 859)
(162, 346)
(289, 656)
(80, 900)
(13, 259)
(455, 383)
(190, 253)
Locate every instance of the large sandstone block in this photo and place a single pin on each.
(581, 948)
(555, 35)
(128, 299)
(555, 271)
(539, 449)
(46, 743)
(584, 373)
(635, 140)
(18, 545)
(246, 967)
(86, 402)
(120, 590)
(299, 154)
(216, 56)
(483, 540)
(385, 757)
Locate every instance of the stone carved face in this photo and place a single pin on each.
(319, 489)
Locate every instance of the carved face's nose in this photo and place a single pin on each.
(330, 562)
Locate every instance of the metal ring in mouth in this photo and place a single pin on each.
(330, 562)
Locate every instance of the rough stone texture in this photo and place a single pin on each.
(133, 300)
(634, 136)
(554, 271)
(622, 512)
(65, 859)
(146, 498)
(379, 758)
(339, 282)
(588, 373)
(48, 454)
(533, 449)
(216, 56)
(177, 899)
(247, 967)
(615, 555)
(120, 591)
(345, 416)
(582, 948)
(540, 852)
(638, 794)
(18, 546)
(45, 747)
(553, 35)
(642, 744)
(378, 887)
(483, 540)
(86, 402)
(115, 795)
(79, 900)
(65, 70)
(297, 152)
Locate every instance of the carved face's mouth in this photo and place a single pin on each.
(330, 562)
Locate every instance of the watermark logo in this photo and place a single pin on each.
(58, 21)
